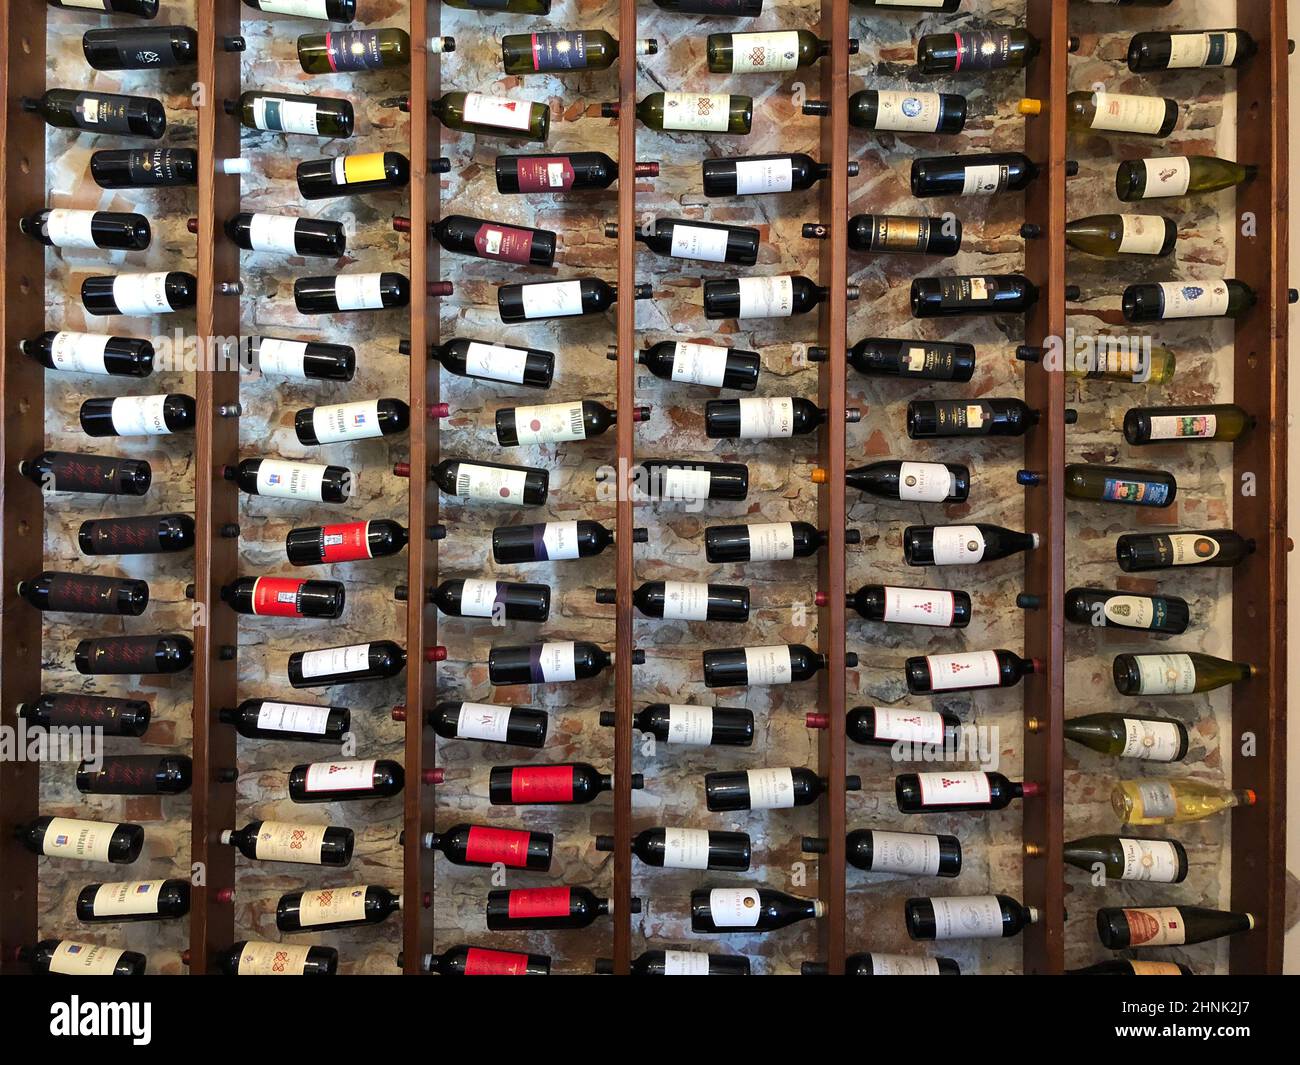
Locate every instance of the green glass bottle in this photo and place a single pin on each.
(1178, 175)
(559, 51)
(341, 51)
(695, 112)
(1119, 484)
(1150, 739)
(993, 49)
(1163, 301)
(278, 112)
(1158, 425)
(758, 53)
(1176, 674)
(1189, 51)
(1110, 112)
(1118, 361)
(476, 112)
(1112, 235)
(1156, 861)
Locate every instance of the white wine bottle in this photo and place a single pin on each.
(1173, 802)
(1156, 425)
(1151, 739)
(1156, 861)
(1111, 112)
(694, 112)
(1112, 235)
(1166, 300)
(1176, 674)
(1178, 175)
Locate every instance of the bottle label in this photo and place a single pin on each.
(550, 423)
(909, 726)
(496, 111)
(1161, 926)
(757, 176)
(904, 852)
(983, 51)
(495, 363)
(84, 959)
(67, 837)
(1149, 859)
(1152, 741)
(279, 841)
(1210, 49)
(768, 665)
(340, 776)
(954, 789)
(332, 906)
(1138, 493)
(766, 297)
(1143, 234)
(559, 541)
(273, 959)
(79, 352)
(490, 483)
(699, 242)
(277, 597)
(478, 599)
(685, 484)
(306, 8)
(508, 244)
(70, 229)
(957, 545)
(293, 717)
(958, 292)
(1156, 799)
(918, 606)
(130, 899)
(735, 907)
(903, 965)
(908, 112)
(544, 173)
(1188, 549)
(972, 669)
(920, 361)
(287, 357)
(539, 902)
(691, 726)
(158, 166)
(685, 963)
(291, 480)
(280, 115)
(705, 112)
(974, 917)
(483, 721)
(924, 482)
(552, 299)
(963, 417)
(772, 542)
(554, 662)
(141, 294)
(559, 51)
(764, 419)
(1184, 426)
(140, 416)
(1202, 299)
(770, 789)
(1165, 674)
(359, 169)
(686, 601)
(336, 660)
(354, 50)
(1133, 611)
(752, 52)
(1119, 113)
(487, 846)
(984, 180)
(102, 114)
(1167, 177)
(346, 421)
(1155, 968)
(900, 233)
(273, 232)
(686, 848)
(359, 292)
(480, 962)
(699, 364)
(345, 543)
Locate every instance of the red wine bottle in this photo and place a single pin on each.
(766, 789)
(491, 481)
(144, 168)
(554, 423)
(115, 717)
(134, 900)
(329, 908)
(350, 175)
(343, 422)
(749, 909)
(484, 361)
(281, 479)
(883, 726)
(886, 965)
(911, 234)
(918, 360)
(769, 542)
(493, 240)
(571, 782)
(967, 917)
(960, 545)
(948, 297)
(561, 173)
(1167, 926)
(141, 295)
(691, 726)
(539, 300)
(485, 845)
(905, 112)
(911, 606)
(480, 961)
(68, 957)
(326, 10)
(146, 535)
(950, 792)
(983, 174)
(756, 175)
(701, 364)
(93, 353)
(469, 598)
(263, 719)
(251, 958)
(1144, 552)
(1101, 608)
(679, 963)
(761, 418)
(66, 471)
(700, 241)
(283, 841)
(933, 419)
(908, 482)
(135, 774)
(99, 112)
(137, 415)
(687, 848)
(82, 593)
(147, 48)
(909, 853)
(128, 655)
(761, 297)
(301, 360)
(335, 293)
(350, 664)
(779, 664)
(553, 541)
(686, 600)
(58, 227)
(519, 726)
(86, 841)
(550, 663)
(683, 480)
(545, 908)
(284, 597)
(350, 541)
(287, 234)
(967, 671)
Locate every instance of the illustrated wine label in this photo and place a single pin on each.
(79, 352)
(84, 959)
(551, 299)
(553, 662)
(550, 423)
(685, 963)
(481, 962)
(1142, 234)
(359, 292)
(909, 726)
(954, 789)
(1119, 113)
(496, 112)
(282, 115)
(1153, 860)
(495, 362)
(70, 229)
(686, 848)
(903, 965)
(1160, 926)
(478, 598)
(141, 294)
(919, 606)
(970, 669)
(348, 542)
(67, 837)
(751, 52)
(1199, 299)
(757, 176)
(1137, 493)
(346, 421)
(904, 852)
(286, 357)
(1152, 741)
(332, 906)
(704, 112)
(273, 232)
(140, 416)
(735, 907)
(558, 540)
(487, 846)
(686, 601)
(504, 243)
(277, 597)
(698, 242)
(984, 179)
(1167, 177)
(924, 482)
(280, 841)
(483, 721)
(544, 173)
(528, 903)
(1187, 549)
(973, 917)
(1209, 49)
(683, 483)
(766, 297)
(1135, 611)
(559, 50)
(291, 480)
(103, 114)
(908, 112)
(1166, 674)
(766, 418)
(957, 545)
(768, 665)
(1156, 799)
(293, 717)
(340, 776)
(691, 726)
(771, 542)
(132, 899)
(983, 50)
(1184, 426)
(359, 169)
(273, 959)
(330, 661)
(770, 789)
(490, 483)
(349, 50)
(699, 364)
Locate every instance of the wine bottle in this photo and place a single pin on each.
(554, 423)
(967, 671)
(757, 53)
(526, 785)
(1166, 300)
(345, 781)
(1156, 861)
(919, 793)
(115, 717)
(136, 536)
(767, 789)
(346, 51)
(68, 957)
(87, 841)
(326, 10)
(100, 112)
(960, 545)
(686, 600)
(907, 234)
(978, 50)
(692, 112)
(921, 360)
(909, 5)
(284, 841)
(948, 297)
(702, 364)
(480, 961)
(66, 471)
(972, 175)
(142, 8)
(84, 593)
(137, 415)
(550, 663)
(1167, 926)
(881, 726)
(348, 542)
(279, 479)
(142, 295)
(61, 228)
(1176, 674)
(485, 361)
(345, 907)
(278, 112)
(290, 234)
(714, 8)
(300, 360)
(545, 908)
(553, 541)
(350, 175)
(907, 112)
(686, 481)
(251, 958)
(767, 542)
(492, 116)
(557, 52)
(263, 719)
(489, 481)
(1152, 739)
(691, 726)
(761, 297)
(929, 419)
(919, 482)
(687, 848)
(135, 774)
(520, 726)
(1153, 425)
(967, 917)
(1173, 802)
(762, 419)
(702, 241)
(886, 964)
(1134, 3)
(1131, 967)
(484, 239)
(1113, 235)
(780, 664)
(376, 660)
(91, 353)
(559, 299)
(1119, 484)
(487, 846)
(1109, 112)
(1124, 610)
(351, 292)
(749, 909)
(133, 900)
(152, 48)
(1113, 360)
(144, 168)
(1178, 175)
(679, 962)
(470, 598)
(343, 422)
(911, 606)
(562, 172)
(132, 655)
(756, 175)
(284, 597)
(908, 853)
(1143, 552)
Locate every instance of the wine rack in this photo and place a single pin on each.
(1027, 842)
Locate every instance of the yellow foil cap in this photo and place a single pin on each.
(1031, 107)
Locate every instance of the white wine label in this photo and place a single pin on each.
(1161, 926)
(495, 362)
(273, 232)
(983, 180)
(686, 601)
(699, 364)
(698, 242)
(1210, 49)
(764, 419)
(287, 357)
(560, 540)
(910, 726)
(1194, 299)
(497, 111)
(1130, 611)
(770, 789)
(903, 965)
(766, 297)
(757, 176)
(140, 416)
(1155, 968)
(556, 662)
(286, 116)
(552, 299)
(1184, 427)
(735, 907)
(1167, 177)
(291, 480)
(1144, 234)
(1153, 860)
(346, 421)
(483, 721)
(488, 482)
(768, 665)
(904, 852)
(691, 726)
(67, 837)
(918, 606)
(909, 112)
(952, 789)
(70, 229)
(332, 906)
(478, 598)
(771, 542)
(1119, 113)
(273, 959)
(685, 484)
(293, 717)
(1190, 549)
(305, 8)
(974, 917)
(142, 294)
(751, 52)
(1152, 741)
(685, 963)
(359, 292)
(550, 423)
(1156, 799)
(280, 841)
(1165, 674)
(957, 545)
(84, 959)
(351, 659)
(924, 482)
(971, 669)
(340, 776)
(84, 352)
(686, 848)
(706, 112)
(129, 899)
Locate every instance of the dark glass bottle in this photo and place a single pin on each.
(1124, 929)
(683, 480)
(571, 782)
(967, 917)
(701, 241)
(483, 845)
(687, 848)
(679, 962)
(116, 717)
(550, 663)
(972, 175)
(91, 353)
(553, 423)
(350, 664)
(911, 606)
(350, 541)
(766, 789)
(330, 908)
(959, 545)
(907, 853)
(1144, 552)
(469, 598)
(481, 961)
(947, 297)
(82, 593)
(1157, 861)
(920, 360)
(915, 482)
(779, 664)
(1123, 485)
(561, 172)
(281, 479)
(336, 293)
(149, 48)
(1101, 608)
(951, 792)
(749, 909)
(87, 841)
(967, 671)
(100, 112)
(264, 719)
(1133, 967)
(284, 841)
(882, 726)
(907, 112)
(128, 655)
(686, 600)
(484, 361)
(1192, 50)
(61, 228)
(886, 965)
(144, 168)
(539, 300)
(545, 908)
(491, 481)
(351, 175)
(761, 297)
(934, 418)
(761, 418)
(552, 541)
(326, 10)
(484, 239)
(68, 957)
(287, 234)
(66, 471)
(278, 112)
(760, 174)
(768, 542)
(692, 725)
(519, 726)
(980, 50)
(908, 234)
(135, 774)
(284, 597)
(139, 295)
(251, 958)
(140, 8)
(134, 900)
(701, 364)
(342, 422)
(147, 535)
(300, 360)
(137, 415)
